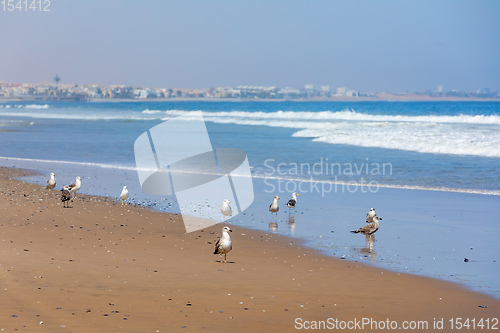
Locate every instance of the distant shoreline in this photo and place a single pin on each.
(378, 98)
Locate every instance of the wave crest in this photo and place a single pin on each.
(477, 135)
(36, 106)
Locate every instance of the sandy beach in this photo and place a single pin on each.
(103, 267)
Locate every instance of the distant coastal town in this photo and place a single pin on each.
(57, 91)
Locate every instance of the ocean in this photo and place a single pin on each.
(431, 169)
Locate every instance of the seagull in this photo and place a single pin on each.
(369, 229)
(293, 201)
(226, 209)
(224, 245)
(124, 194)
(51, 183)
(72, 188)
(371, 214)
(274, 208)
(65, 197)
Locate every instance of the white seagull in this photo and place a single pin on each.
(51, 183)
(371, 214)
(72, 188)
(124, 194)
(274, 208)
(224, 245)
(293, 201)
(369, 229)
(226, 209)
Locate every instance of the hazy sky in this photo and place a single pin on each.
(364, 45)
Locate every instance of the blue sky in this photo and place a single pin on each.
(370, 46)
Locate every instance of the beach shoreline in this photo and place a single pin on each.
(100, 266)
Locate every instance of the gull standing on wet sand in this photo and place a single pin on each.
(292, 202)
(72, 188)
(369, 229)
(274, 208)
(224, 245)
(226, 209)
(51, 183)
(124, 194)
(65, 197)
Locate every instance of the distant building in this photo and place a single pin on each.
(351, 93)
(325, 91)
(257, 91)
(289, 92)
(341, 91)
(310, 89)
(484, 92)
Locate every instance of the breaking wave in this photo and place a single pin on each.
(463, 134)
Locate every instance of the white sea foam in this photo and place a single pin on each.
(348, 115)
(37, 106)
(90, 116)
(247, 117)
(457, 135)
(5, 123)
(39, 161)
(35, 163)
(423, 137)
(29, 106)
(147, 111)
(477, 135)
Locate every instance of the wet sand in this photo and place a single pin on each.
(103, 267)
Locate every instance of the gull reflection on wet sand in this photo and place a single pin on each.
(273, 226)
(291, 222)
(368, 250)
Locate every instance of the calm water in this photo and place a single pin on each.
(322, 150)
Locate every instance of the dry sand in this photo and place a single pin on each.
(103, 267)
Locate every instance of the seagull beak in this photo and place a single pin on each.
(298, 194)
